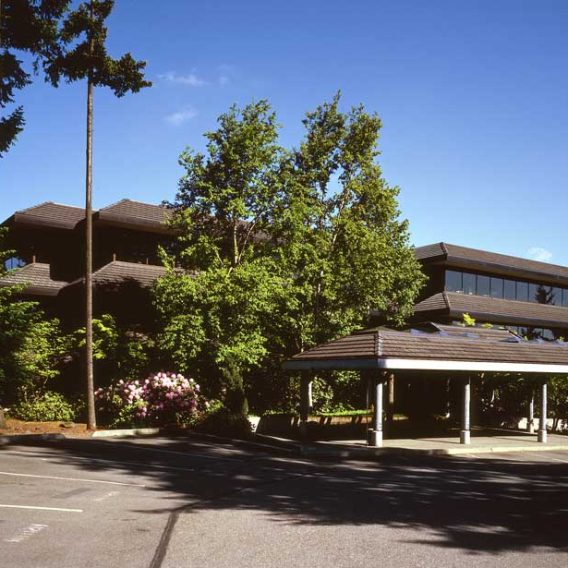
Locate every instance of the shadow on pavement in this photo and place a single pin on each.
(478, 505)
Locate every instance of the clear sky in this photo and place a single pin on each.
(473, 95)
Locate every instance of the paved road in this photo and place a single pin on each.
(179, 502)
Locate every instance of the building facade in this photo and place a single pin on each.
(529, 297)
(48, 241)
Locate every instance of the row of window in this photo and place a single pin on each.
(481, 285)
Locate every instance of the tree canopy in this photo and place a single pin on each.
(85, 56)
(26, 26)
(283, 249)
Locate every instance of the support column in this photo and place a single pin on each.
(390, 399)
(542, 433)
(530, 419)
(376, 432)
(305, 402)
(466, 410)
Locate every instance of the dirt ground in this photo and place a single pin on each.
(14, 426)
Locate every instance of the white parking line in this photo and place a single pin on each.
(41, 508)
(25, 533)
(70, 479)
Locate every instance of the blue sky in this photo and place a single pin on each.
(473, 96)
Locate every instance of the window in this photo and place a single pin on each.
(14, 262)
(483, 285)
(543, 294)
(469, 283)
(523, 291)
(556, 296)
(509, 289)
(453, 281)
(496, 289)
(548, 335)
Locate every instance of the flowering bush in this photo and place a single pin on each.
(163, 398)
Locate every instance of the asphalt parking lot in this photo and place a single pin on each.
(190, 502)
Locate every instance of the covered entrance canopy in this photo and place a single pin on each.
(433, 348)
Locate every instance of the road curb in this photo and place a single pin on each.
(126, 432)
(23, 438)
(321, 451)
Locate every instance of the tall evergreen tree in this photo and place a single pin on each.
(86, 58)
(26, 26)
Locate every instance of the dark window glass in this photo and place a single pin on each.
(523, 291)
(509, 290)
(565, 298)
(496, 287)
(453, 281)
(543, 294)
(533, 292)
(556, 296)
(469, 283)
(547, 334)
(483, 285)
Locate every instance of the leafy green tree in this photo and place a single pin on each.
(289, 248)
(86, 58)
(26, 26)
(32, 345)
(213, 319)
(340, 240)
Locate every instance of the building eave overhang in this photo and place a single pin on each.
(29, 220)
(425, 365)
(504, 319)
(132, 223)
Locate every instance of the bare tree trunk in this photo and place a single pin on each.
(91, 418)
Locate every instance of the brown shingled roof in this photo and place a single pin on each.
(388, 348)
(119, 271)
(497, 310)
(36, 279)
(475, 259)
(135, 214)
(50, 214)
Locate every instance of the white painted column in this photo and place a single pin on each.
(466, 412)
(376, 432)
(390, 399)
(542, 433)
(305, 402)
(530, 419)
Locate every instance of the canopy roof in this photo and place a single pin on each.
(436, 347)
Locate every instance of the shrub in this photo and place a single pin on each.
(49, 406)
(224, 422)
(163, 398)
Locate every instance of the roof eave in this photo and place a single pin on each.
(424, 365)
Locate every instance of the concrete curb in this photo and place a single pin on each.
(321, 451)
(124, 432)
(23, 438)
(499, 450)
